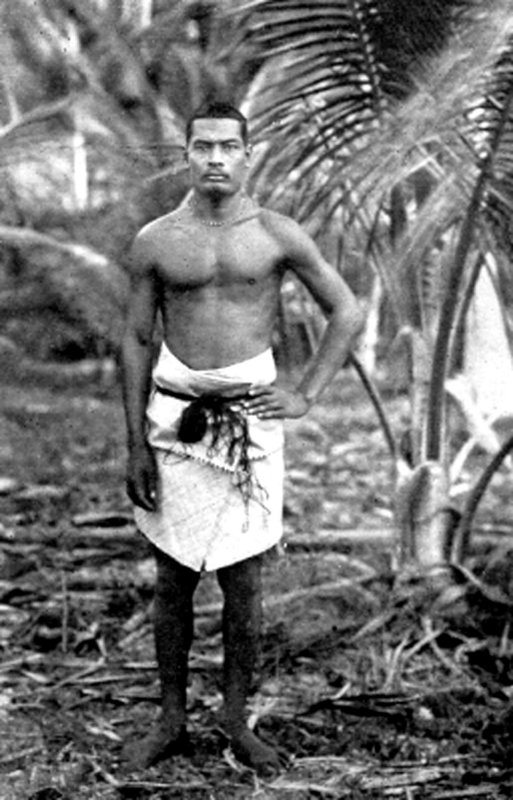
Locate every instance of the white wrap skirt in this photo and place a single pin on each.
(203, 520)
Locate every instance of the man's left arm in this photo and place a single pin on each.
(345, 321)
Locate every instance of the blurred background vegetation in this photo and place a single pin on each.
(363, 111)
(93, 99)
(384, 126)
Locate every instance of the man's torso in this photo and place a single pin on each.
(218, 286)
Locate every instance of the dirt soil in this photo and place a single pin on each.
(375, 683)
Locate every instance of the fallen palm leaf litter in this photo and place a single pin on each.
(376, 685)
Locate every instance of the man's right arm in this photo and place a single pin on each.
(136, 356)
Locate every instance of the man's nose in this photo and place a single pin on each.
(216, 154)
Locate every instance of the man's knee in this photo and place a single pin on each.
(174, 580)
(242, 577)
(241, 587)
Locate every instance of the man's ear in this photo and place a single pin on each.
(185, 155)
(249, 152)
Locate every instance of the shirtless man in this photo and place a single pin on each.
(213, 269)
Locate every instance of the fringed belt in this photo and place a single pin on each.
(229, 427)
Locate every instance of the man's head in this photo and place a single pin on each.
(217, 150)
(217, 110)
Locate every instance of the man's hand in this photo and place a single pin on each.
(141, 480)
(271, 402)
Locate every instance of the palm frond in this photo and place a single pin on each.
(451, 297)
(338, 116)
(326, 70)
(488, 115)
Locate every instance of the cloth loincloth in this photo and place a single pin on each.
(207, 515)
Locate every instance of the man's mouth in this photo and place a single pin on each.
(215, 176)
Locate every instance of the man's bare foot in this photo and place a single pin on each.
(161, 743)
(251, 751)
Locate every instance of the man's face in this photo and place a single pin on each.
(217, 157)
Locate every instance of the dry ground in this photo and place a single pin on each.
(375, 685)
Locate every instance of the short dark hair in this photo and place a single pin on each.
(217, 110)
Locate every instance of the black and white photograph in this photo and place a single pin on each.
(256, 400)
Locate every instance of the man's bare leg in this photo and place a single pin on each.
(173, 625)
(242, 588)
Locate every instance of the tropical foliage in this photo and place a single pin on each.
(383, 125)
(93, 96)
(390, 125)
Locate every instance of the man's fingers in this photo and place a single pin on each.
(259, 394)
(269, 402)
(148, 503)
(266, 398)
(266, 410)
(266, 402)
(255, 391)
(142, 496)
(150, 494)
(137, 498)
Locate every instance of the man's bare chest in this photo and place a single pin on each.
(219, 257)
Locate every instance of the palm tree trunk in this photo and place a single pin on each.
(425, 521)
(435, 421)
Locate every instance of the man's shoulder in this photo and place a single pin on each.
(286, 230)
(160, 226)
(278, 224)
(147, 245)
(156, 234)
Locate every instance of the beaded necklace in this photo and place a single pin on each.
(211, 223)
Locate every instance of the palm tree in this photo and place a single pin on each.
(391, 122)
(93, 98)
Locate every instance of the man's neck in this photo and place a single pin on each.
(214, 209)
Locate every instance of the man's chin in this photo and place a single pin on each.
(218, 190)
